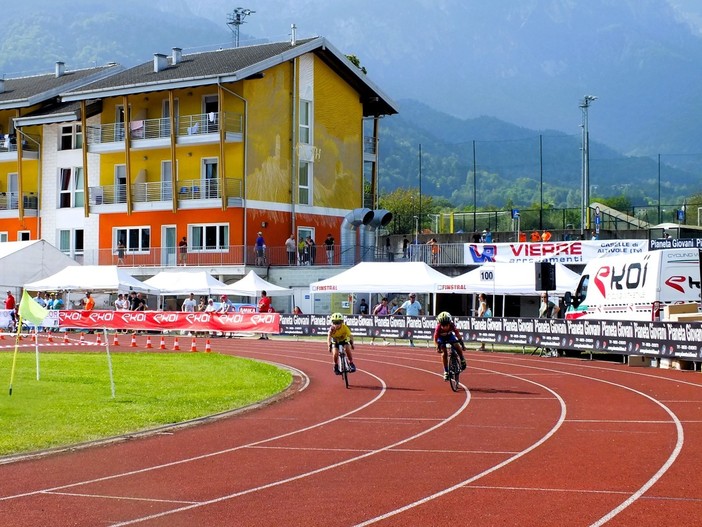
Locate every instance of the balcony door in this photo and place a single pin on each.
(168, 245)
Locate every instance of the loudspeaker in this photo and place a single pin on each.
(545, 278)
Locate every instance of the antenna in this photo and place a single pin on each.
(235, 19)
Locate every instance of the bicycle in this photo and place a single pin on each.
(343, 364)
(454, 367)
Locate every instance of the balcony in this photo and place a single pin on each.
(8, 147)
(9, 202)
(156, 133)
(188, 190)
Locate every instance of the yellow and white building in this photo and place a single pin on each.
(213, 147)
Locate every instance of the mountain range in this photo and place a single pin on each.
(505, 76)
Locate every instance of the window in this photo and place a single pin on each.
(306, 122)
(71, 242)
(304, 183)
(71, 137)
(24, 236)
(212, 238)
(210, 181)
(3, 237)
(136, 239)
(70, 187)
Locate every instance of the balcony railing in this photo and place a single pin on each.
(152, 191)
(8, 143)
(10, 201)
(451, 254)
(160, 128)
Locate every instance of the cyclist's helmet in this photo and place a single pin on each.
(444, 318)
(336, 318)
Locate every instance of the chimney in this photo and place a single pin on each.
(177, 55)
(293, 34)
(60, 69)
(160, 62)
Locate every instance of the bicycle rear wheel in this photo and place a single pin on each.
(454, 371)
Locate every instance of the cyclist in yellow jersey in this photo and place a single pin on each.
(340, 335)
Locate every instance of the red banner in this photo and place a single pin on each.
(170, 320)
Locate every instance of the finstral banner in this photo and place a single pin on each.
(170, 320)
(571, 252)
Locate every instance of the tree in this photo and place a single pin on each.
(404, 205)
(357, 62)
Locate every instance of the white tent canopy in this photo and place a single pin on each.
(509, 279)
(22, 262)
(383, 277)
(93, 278)
(186, 282)
(253, 285)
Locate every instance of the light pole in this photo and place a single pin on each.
(584, 210)
(235, 19)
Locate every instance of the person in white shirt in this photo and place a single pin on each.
(190, 304)
(411, 307)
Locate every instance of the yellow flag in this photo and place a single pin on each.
(31, 311)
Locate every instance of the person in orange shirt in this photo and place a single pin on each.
(89, 302)
(535, 236)
(546, 236)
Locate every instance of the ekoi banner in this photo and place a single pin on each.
(170, 320)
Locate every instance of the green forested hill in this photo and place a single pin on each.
(511, 162)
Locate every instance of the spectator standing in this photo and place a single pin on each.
(381, 310)
(183, 251)
(329, 248)
(264, 306)
(291, 249)
(412, 308)
(435, 250)
(89, 302)
(546, 236)
(405, 247)
(388, 250)
(121, 304)
(120, 252)
(297, 310)
(535, 236)
(483, 312)
(11, 303)
(363, 307)
(488, 235)
(312, 250)
(303, 251)
(260, 249)
(549, 306)
(189, 304)
(139, 303)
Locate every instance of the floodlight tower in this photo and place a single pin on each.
(585, 208)
(235, 19)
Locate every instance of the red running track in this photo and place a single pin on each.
(531, 442)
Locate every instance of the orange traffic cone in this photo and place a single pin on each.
(148, 341)
(34, 337)
(65, 338)
(2, 336)
(115, 340)
(99, 340)
(162, 346)
(208, 348)
(133, 343)
(82, 337)
(49, 338)
(176, 347)
(193, 346)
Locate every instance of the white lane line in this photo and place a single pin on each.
(674, 453)
(492, 469)
(120, 498)
(306, 474)
(202, 456)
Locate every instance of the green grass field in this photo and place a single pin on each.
(72, 400)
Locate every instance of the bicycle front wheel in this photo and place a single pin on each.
(344, 367)
(454, 371)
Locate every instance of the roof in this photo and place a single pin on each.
(383, 277)
(231, 65)
(23, 92)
